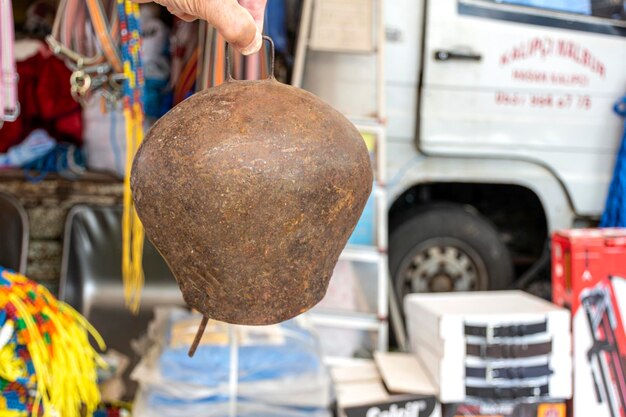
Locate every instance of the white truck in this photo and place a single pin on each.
(500, 130)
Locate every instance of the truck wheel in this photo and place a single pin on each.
(445, 249)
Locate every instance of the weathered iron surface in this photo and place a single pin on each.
(250, 191)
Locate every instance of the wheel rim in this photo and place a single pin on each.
(441, 265)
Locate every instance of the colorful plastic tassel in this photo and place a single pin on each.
(48, 367)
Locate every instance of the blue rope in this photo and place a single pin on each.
(615, 210)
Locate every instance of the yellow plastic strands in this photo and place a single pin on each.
(132, 230)
(48, 367)
(8, 413)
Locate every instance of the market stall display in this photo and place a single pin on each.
(265, 285)
(116, 70)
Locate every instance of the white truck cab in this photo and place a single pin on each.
(500, 130)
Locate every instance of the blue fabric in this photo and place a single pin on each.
(210, 365)
(155, 92)
(37, 144)
(56, 161)
(276, 25)
(615, 209)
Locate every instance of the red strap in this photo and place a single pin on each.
(103, 33)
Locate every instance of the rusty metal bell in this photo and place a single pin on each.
(250, 191)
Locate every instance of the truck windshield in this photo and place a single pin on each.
(611, 9)
(570, 6)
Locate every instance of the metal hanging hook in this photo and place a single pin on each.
(266, 38)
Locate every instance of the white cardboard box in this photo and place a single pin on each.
(436, 327)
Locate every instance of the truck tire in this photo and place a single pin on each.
(448, 248)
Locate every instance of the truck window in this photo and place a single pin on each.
(608, 9)
(569, 6)
(600, 16)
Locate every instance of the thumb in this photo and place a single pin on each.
(235, 23)
(256, 9)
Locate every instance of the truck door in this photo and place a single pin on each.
(528, 79)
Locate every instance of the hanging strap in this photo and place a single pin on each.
(513, 393)
(92, 64)
(103, 33)
(490, 373)
(515, 330)
(187, 78)
(68, 37)
(507, 351)
(9, 106)
(69, 17)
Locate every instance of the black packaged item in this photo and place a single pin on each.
(545, 408)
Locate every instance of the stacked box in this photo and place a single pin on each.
(505, 346)
(394, 385)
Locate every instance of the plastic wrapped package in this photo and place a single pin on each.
(279, 370)
(104, 135)
(211, 408)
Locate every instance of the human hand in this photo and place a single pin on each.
(240, 22)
